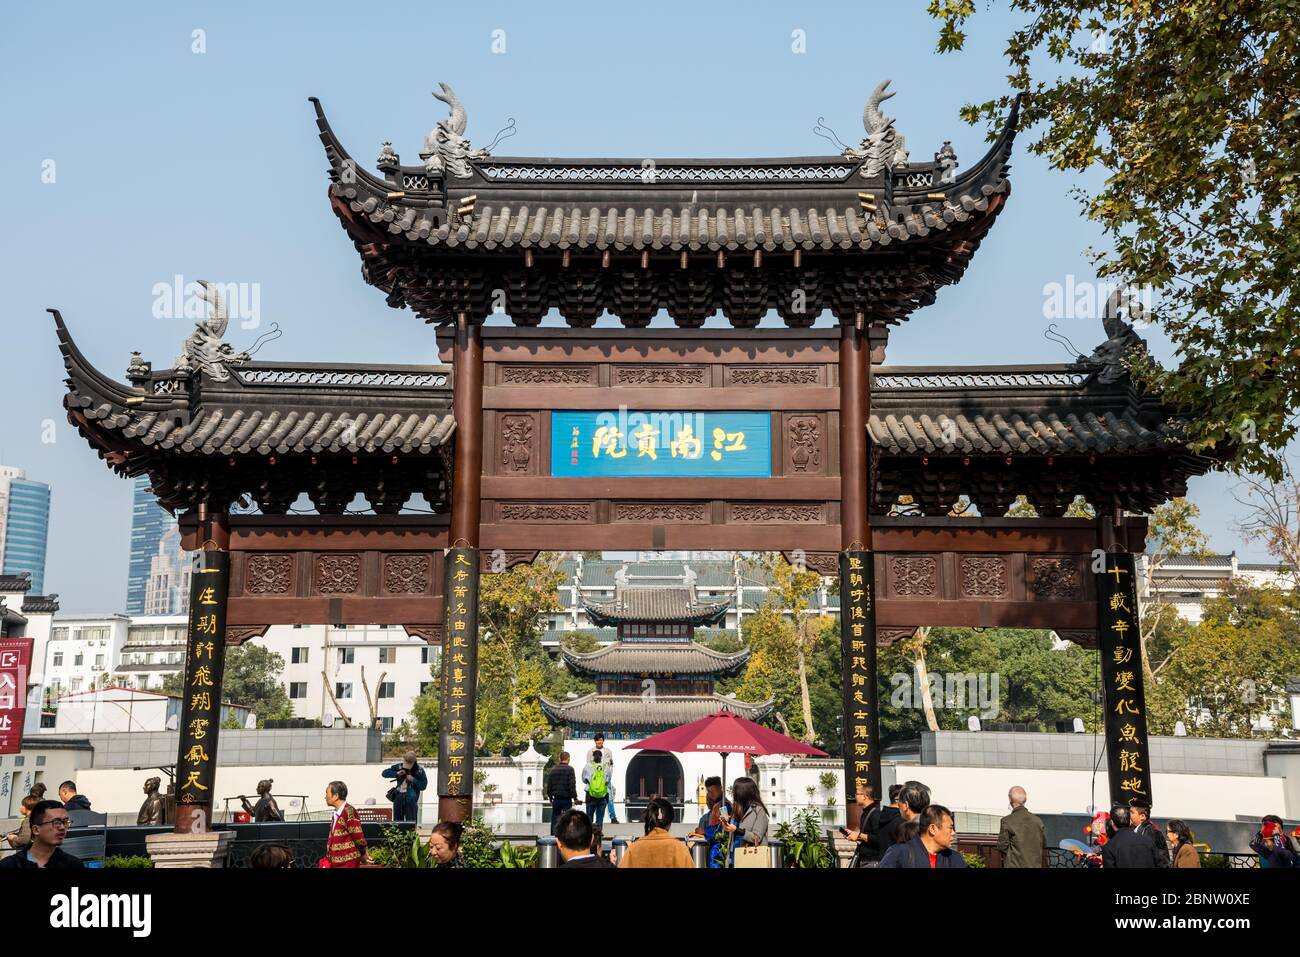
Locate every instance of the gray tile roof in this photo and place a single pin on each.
(269, 408)
(787, 203)
(672, 603)
(21, 582)
(646, 658)
(609, 711)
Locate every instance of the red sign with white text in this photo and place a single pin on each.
(15, 659)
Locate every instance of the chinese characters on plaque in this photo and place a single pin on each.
(858, 650)
(459, 674)
(1127, 751)
(15, 658)
(668, 444)
(196, 763)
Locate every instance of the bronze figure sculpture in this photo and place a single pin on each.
(266, 809)
(151, 811)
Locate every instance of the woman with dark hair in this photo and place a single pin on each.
(750, 819)
(1180, 844)
(271, 857)
(904, 833)
(658, 848)
(444, 844)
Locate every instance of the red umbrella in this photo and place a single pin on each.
(725, 733)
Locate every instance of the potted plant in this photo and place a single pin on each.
(805, 846)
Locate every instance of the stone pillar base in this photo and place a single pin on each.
(844, 849)
(206, 849)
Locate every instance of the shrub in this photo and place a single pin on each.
(127, 860)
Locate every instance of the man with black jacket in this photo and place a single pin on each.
(573, 837)
(889, 820)
(1127, 848)
(1141, 817)
(867, 849)
(49, 828)
(562, 789)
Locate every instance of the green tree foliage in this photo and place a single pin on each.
(251, 677)
(1222, 675)
(1188, 110)
(1036, 682)
(513, 668)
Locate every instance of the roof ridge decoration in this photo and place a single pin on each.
(883, 147)
(206, 348)
(446, 150)
(1121, 338)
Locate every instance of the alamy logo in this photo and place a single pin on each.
(78, 910)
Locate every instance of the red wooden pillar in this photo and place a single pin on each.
(860, 737)
(459, 682)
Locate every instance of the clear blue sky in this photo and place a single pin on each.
(207, 165)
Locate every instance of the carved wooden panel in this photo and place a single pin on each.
(432, 634)
(238, 634)
(407, 574)
(1084, 637)
(887, 636)
(545, 512)
(774, 375)
(1055, 577)
(338, 574)
(269, 574)
(776, 513)
(983, 577)
(914, 575)
(517, 444)
(826, 564)
(805, 445)
(546, 375)
(492, 561)
(661, 512)
(660, 375)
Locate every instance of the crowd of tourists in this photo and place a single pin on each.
(909, 831)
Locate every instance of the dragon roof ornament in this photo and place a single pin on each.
(446, 149)
(884, 147)
(206, 348)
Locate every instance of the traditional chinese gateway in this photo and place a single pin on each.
(798, 439)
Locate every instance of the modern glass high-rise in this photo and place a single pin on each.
(24, 526)
(150, 522)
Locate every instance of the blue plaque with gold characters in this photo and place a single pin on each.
(639, 443)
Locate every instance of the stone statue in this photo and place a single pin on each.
(946, 160)
(884, 147)
(1120, 337)
(266, 809)
(206, 348)
(151, 811)
(446, 150)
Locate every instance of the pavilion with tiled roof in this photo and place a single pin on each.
(655, 676)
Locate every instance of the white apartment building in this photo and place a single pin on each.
(82, 653)
(154, 649)
(368, 674)
(1186, 581)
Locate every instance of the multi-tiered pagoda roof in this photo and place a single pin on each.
(654, 677)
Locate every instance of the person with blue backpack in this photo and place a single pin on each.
(597, 777)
